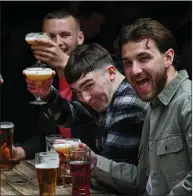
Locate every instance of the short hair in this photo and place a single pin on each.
(60, 14)
(150, 29)
(84, 59)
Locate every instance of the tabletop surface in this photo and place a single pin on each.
(22, 180)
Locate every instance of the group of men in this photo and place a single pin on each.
(143, 118)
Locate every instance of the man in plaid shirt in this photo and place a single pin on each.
(104, 95)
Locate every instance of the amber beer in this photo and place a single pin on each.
(6, 142)
(46, 176)
(47, 164)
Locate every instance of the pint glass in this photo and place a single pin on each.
(80, 171)
(6, 142)
(46, 164)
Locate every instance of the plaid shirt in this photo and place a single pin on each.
(121, 124)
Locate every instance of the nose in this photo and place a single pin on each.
(86, 97)
(59, 40)
(136, 69)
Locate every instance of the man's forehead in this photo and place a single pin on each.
(135, 48)
(84, 78)
(62, 23)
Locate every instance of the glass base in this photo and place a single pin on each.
(35, 102)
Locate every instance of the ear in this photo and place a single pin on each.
(80, 38)
(112, 72)
(169, 57)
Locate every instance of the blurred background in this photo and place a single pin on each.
(101, 23)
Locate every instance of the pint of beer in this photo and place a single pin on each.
(80, 171)
(6, 142)
(46, 164)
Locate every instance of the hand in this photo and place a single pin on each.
(50, 53)
(94, 156)
(18, 153)
(44, 88)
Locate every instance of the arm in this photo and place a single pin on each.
(120, 176)
(185, 186)
(36, 143)
(65, 113)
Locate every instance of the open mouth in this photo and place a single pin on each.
(142, 85)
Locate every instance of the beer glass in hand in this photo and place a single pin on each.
(46, 164)
(79, 161)
(63, 147)
(38, 75)
(30, 38)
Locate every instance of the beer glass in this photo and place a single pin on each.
(38, 75)
(30, 38)
(79, 161)
(46, 164)
(49, 148)
(63, 147)
(6, 143)
(50, 141)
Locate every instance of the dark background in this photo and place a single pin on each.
(19, 18)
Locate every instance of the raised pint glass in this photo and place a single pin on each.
(6, 142)
(46, 164)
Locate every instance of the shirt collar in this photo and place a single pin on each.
(168, 92)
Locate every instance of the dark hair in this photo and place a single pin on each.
(150, 29)
(60, 14)
(84, 59)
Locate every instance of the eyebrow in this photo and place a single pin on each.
(139, 55)
(86, 81)
(73, 89)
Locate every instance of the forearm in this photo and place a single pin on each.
(120, 176)
(65, 113)
(31, 147)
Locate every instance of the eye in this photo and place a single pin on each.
(127, 63)
(144, 59)
(64, 34)
(88, 87)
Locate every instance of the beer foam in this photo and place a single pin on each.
(38, 71)
(47, 166)
(61, 146)
(30, 38)
(6, 125)
(73, 143)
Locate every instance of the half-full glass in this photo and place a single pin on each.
(79, 161)
(38, 75)
(46, 164)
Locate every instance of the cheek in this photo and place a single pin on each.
(127, 73)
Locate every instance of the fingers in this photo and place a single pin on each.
(83, 145)
(1, 81)
(47, 42)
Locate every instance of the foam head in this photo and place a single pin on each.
(38, 71)
(6, 125)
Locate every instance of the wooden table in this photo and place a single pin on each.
(22, 181)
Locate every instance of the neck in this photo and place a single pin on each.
(118, 81)
(172, 73)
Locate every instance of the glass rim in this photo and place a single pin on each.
(54, 135)
(7, 124)
(47, 154)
